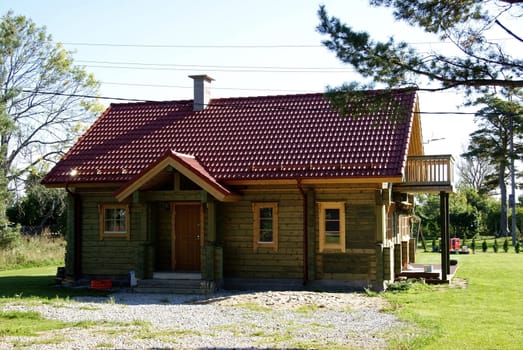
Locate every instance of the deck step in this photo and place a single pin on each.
(174, 286)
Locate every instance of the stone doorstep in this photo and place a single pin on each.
(177, 276)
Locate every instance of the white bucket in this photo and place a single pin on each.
(132, 279)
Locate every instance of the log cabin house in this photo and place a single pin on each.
(274, 192)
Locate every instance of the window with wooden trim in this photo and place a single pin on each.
(265, 225)
(114, 221)
(332, 226)
(404, 226)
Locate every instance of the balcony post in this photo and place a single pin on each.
(444, 220)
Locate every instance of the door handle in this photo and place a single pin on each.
(198, 237)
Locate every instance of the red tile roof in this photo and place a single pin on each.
(251, 138)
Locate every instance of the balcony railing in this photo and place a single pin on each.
(429, 173)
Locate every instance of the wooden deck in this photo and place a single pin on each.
(419, 271)
(428, 174)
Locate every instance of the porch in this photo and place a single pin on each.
(175, 283)
(431, 273)
(431, 174)
(428, 174)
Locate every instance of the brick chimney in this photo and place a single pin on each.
(202, 91)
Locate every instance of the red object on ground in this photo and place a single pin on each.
(101, 284)
(455, 244)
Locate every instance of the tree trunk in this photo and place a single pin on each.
(503, 221)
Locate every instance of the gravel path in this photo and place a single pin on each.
(224, 321)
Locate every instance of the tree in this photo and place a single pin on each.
(40, 96)
(466, 23)
(500, 122)
(473, 172)
(41, 208)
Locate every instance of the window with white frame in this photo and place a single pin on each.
(332, 226)
(265, 225)
(114, 221)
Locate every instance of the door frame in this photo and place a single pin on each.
(173, 230)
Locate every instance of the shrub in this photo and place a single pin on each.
(505, 245)
(495, 246)
(9, 237)
(484, 246)
(399, 286)
(517, 247)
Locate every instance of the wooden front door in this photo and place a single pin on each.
(187, 236)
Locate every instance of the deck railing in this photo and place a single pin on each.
(433, 170)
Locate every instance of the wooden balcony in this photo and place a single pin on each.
(428, 174)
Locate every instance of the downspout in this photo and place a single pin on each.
(305, 234)
(77, 203)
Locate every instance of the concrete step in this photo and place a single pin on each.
(174, 286)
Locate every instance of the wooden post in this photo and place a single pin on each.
(444, 220)
(381, 197)
(70, 253)
(311, 222)
(209, 259)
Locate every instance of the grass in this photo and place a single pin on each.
(37, 282)
(17, 323)
(254, 307)
(305, 309)
(484, 315)
(25, 252)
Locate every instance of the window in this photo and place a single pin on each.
(403, 227)
(332, 226)
(265, 225)
(114, 221)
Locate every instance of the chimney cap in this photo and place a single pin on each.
(201, 77)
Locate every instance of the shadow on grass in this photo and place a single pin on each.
(40, 286)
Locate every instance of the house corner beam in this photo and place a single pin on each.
(382, 198)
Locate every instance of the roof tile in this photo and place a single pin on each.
(271, 137)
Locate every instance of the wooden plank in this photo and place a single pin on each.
(173, 196)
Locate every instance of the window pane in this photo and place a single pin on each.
(332, 237)
(265, 230)
(265, 236)
(332, 214)
(265, 213)
(115, 220)
(266, 225)
(332, 226)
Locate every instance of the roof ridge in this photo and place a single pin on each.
(279, 96)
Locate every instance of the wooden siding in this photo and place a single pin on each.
(227, 250)
(357, 263)
(359, 260)
(110, 256)
(163, 237)
(239, 259)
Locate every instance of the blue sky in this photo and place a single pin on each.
(250, 48)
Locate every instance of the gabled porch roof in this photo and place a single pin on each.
(188, 166)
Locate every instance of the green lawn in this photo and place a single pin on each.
(487, 314)
(36, 282)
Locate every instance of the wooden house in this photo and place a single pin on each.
(272, 192)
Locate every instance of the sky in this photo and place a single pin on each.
(147, 50)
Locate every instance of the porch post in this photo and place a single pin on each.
(382, 196)
(311, 233)
(444, 220)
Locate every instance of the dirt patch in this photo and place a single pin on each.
(293, 300)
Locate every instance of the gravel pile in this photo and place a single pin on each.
(225, 321)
